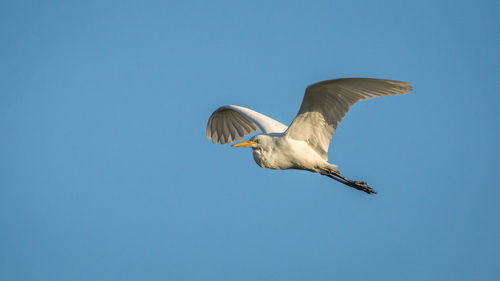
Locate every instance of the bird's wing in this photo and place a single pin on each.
(232, 122)
(325, 104)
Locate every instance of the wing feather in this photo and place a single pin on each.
(225, 131)
(234, 133)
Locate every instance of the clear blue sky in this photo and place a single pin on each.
(105, 172)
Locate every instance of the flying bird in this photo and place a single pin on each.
(304, 144)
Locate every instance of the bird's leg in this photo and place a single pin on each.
(359, 185)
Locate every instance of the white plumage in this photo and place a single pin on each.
(303, 145)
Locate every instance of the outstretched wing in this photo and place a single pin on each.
(232, 122)
(326, 103)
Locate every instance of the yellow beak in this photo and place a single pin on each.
(244, 144)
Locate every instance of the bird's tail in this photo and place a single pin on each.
(333, 173)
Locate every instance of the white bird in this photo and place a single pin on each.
(303, 145)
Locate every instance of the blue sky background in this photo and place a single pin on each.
(105, 172)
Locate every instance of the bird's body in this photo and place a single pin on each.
(282, 153)
(303, 145)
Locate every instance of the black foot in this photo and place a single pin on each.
(363, 186)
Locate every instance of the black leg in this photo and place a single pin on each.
(359, 185)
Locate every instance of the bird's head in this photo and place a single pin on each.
(255, 142)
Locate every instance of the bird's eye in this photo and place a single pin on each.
(256, 140)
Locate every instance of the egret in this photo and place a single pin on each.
(303, 145)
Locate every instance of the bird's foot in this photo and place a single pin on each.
(363, 186)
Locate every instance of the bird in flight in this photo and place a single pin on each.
(304, 144)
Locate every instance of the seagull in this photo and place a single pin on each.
(304, 144)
